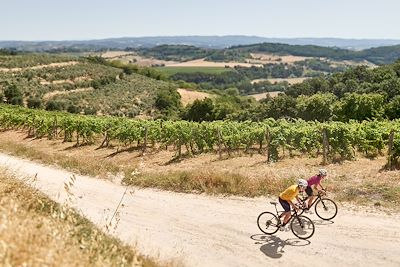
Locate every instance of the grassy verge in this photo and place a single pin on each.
(35, 231)
(210, 183)
(84, 165)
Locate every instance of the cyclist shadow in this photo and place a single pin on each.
(272, 246)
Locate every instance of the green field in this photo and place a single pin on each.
(172, 70)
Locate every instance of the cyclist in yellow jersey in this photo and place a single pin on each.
(287, 196)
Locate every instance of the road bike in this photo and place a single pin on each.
(301, 226)
(325, 208)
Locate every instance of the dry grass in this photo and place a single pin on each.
(277, 80)
(36, 231)
(51, 94)
(360, 181)
(260, 96)
(51, 65)
(188, 96)
(204, 63)
(276, 59)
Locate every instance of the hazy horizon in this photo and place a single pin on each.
(166, 36)
(92, 20)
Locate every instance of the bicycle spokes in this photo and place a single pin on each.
(326, 209)
(302, 227)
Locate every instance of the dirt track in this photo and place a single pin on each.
(201, 230)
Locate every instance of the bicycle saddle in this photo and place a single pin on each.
(273, 202)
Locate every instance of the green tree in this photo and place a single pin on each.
(392, 109)
(168, 101)
(34, 102)
(13, 92)
(54, 105)
(200, 110)
(361, 107)
(316, 107)
(281, 106)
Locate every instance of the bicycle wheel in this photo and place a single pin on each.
(268, 223)
(302, 227)
(326, 209)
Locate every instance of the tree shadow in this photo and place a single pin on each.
(124, 150)
(273, 246)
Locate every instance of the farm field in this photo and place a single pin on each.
(278, 80)
(204, 63)
(189, 96)
(260, 96)
(171, 70)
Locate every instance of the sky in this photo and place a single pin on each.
(36, 20)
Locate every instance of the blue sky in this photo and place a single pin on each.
(97, 19)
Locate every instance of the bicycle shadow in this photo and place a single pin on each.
(322, 222)
(272, 246)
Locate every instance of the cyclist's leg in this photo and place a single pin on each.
(309, 192)
(286, 206)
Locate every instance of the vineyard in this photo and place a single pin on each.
(274, 138)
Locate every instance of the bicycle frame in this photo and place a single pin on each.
(293, 213)
(318, 196)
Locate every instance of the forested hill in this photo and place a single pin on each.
(199, 41)
(379, 55)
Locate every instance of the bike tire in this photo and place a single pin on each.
(302, 227)
(326, 209)
(268, 223)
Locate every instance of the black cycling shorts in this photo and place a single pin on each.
(309, 191)
(285, 204)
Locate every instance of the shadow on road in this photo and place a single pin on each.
(272, 246)
(322, 222)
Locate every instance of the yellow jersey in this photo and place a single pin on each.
(290, 193)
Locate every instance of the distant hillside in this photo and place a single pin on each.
(379, 55)
(199, 41)
(78, 85)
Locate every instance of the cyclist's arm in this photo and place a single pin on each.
(320, 185)
(292, 204)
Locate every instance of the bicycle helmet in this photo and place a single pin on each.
(323, 172)
(303, 183)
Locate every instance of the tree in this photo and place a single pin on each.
(361, 106)
(168, 101)
(392, 110)
(200, 110)
(54, 105)
(73, 109)
(13, 92)
(316, 107)
(34, 102)
(279, 107)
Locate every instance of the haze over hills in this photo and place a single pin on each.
(199, 41)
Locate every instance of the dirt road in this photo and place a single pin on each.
(200, 230)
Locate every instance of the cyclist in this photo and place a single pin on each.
(287, 196)
(313, 183)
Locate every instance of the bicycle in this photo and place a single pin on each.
(301, 226)
(325, 208)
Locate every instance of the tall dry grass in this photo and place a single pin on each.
(35, 231)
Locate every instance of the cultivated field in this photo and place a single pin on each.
(212, 70)
(204, 63)
(260, 96)
(278, 80)
(275, 59)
